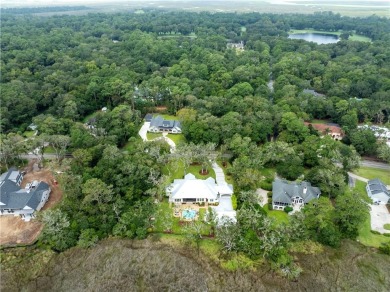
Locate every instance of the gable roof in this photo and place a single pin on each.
(12, 174)
(14, 198)
(376, 186)
(191, 187)
(160, 122)
(148, 117)
(283, 191)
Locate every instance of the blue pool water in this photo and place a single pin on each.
(188, 214)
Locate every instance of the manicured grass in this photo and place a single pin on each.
(354, 37)
(279, 216)
(49, 150)
(368, 238)
(167, 117)
(28, 134)
(268, 172)
(177, 138)
(194, 169)
(360, 187)
(371, 173)
(179, 171)
(386, 226)
(164, 211)
(152, 136)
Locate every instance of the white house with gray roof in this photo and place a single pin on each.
(158, 125)
(193, 190)
(292, 194)
(378, 192)
(21, 202)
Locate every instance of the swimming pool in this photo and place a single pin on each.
(188, 214)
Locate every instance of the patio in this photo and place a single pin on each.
(185, 212)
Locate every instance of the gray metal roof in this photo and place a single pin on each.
(376, 186)
(159, 122)
(14, 198)
(283, 191)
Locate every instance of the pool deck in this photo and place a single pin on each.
(178, 209)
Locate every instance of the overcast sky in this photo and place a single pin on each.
(34, 3)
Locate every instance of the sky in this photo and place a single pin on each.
(35, 3)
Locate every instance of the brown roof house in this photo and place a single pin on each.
(333, 130)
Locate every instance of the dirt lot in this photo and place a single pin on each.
(13, 230)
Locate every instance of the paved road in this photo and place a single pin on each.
(33, 156)
(375, 164)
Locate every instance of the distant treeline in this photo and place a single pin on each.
(30, 10)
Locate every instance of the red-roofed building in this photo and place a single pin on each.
(328, 129)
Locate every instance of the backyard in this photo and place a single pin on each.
(165, 217)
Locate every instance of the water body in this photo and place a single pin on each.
(319, 38)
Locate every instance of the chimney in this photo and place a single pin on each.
(304, 190)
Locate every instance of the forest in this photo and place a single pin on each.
(57, 72)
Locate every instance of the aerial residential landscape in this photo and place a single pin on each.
(195, 146)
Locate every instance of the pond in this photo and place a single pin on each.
(319, 38)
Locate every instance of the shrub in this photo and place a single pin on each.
(375, 232)
(386, 234)
(266, 186)
(269, 194)
(270, 201)
(386, 226)
(288, 209)
(270, 207)
(234, 202)
(385, 248)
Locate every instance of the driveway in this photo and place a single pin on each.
(219, 174)
(263, 196)
(379, 217)
(225, 209)
(144, 129)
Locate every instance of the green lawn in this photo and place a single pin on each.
(371, 173)
(28, 134)
(365, 235)
(164, 209)
(268, 172)
(194, 169)
(368, 238)
(279, 216)
(179, 171)
(354, 37)
(177, 138)
(360, 187)
(168, 117)
(386, 226)
(152, 136)
(49, 150)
